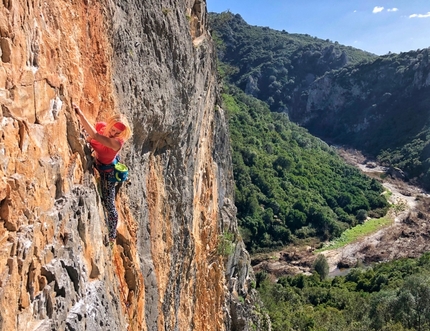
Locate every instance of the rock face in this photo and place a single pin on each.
(350, 105)
(154, 62)
(376, 107)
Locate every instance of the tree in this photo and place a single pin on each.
(361, 215)
(321, 266)
(413, 302)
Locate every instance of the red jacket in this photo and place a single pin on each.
(104, 154)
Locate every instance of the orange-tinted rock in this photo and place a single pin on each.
(157, 67)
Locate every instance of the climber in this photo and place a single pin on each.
(107, 140)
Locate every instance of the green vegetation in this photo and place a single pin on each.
(271, 64)
(225, 244)
(321, 266)
(357, 232)
(399, 206)
(381, 102)
(290, 185)
(390, 296)
(391, 110)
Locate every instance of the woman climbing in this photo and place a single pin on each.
(107, 139)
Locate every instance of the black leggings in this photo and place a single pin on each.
(107, 186)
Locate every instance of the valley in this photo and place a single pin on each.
(296, 198)
(407, 236)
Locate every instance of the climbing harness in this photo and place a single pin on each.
(120, 170)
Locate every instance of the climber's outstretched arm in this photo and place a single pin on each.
(86, 124)
(92, 132)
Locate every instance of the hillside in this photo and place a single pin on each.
(347, 97)
(291, 186)
(271, 65)
(379, 105)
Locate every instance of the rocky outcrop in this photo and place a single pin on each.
(377, 79)
(368, 99)
(377, 107)
(154, 62)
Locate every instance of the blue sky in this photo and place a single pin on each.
(376, 26)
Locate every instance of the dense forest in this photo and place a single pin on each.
(289, 184)
(377, 104)
(392, 296)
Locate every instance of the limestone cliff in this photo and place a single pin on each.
(357, 98)
(154, 62)
(380, 107)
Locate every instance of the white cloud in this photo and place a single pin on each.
(420, 15)
(377, 9)
(393, 9)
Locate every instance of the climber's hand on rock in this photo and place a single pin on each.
(77, 110)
